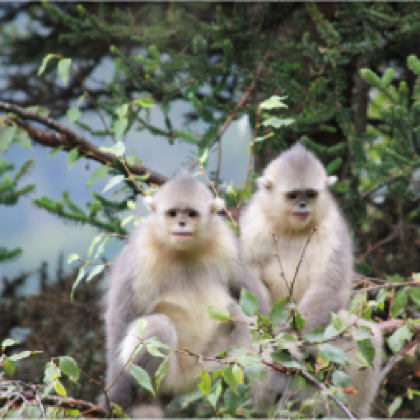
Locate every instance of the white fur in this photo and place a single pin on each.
(149, 202)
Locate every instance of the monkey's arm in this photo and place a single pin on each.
(248, 279)
(319, 301)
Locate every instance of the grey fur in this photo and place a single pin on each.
(168, 284)
(323, 283)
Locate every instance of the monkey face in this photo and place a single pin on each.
(300, 205)
(182, 225)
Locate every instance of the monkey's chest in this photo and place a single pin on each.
(292, 267)
(187, 309)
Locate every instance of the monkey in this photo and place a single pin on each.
(293, 231)
(181, 259)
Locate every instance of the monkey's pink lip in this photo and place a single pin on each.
(299, 216)
(182, 237)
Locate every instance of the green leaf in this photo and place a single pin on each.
(118, 149)
(337, 322)
(142, 325)
(361, 333)
(142, 378)
(51, 372)
(205, 384)
(285, 360)
(64, 67)
(333, 354)
(249, 303)
(154, 52)
(55, 151)
(187, 136)
(72, 257)
(21, 355)
(113, 181)
(99, 173)
(366, 350)
(59, 388)
(22, 138)
(297, 322)
(316, 336)
(280, 312)
(230, 379)
(95, 271)
(119, 129)
(122, 111)
(72, 156)
(204, 157)
(274, 101)
(213, 398)
(340, 378)
(9, 367)
(238, 373)
(397, 339)
(145, 102)
(370, 77)
(69, 367)
(220, 314)
(334, 165)
(387, 77)
(413, 63)
(6, 137)
(396, 404)
(73, 114)
(262, 138)
(278, 122)
(44, 63)
(154, 351)
(79, 278)
(414, 293)
(126, 220)
(95, 240)
(101, 248)
(131, 205)
(399, 304)
(9, 342)
(161, 372)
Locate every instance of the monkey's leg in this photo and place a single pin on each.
(123, 390)
(365, 381)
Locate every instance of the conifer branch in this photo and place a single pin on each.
(68, 139)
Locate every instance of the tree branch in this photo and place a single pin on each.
(239, 105)
(69, 140)
(32, 396)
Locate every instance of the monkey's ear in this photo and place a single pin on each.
(218, 204)
(331, 180)
(149, 202)
(264, 183)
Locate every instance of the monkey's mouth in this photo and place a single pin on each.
(182, 236)
(300, 216)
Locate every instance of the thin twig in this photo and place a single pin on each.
(301, 259)
(378, 244)
(318, 385)
(282, 274)
(383, 286)
(219, 162)
(397, 357)
(217, 195)
(251, 155)
(233, 115)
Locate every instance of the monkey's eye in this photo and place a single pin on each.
(312, 194)
(292, 195)
(171, 213)
(192, 213)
